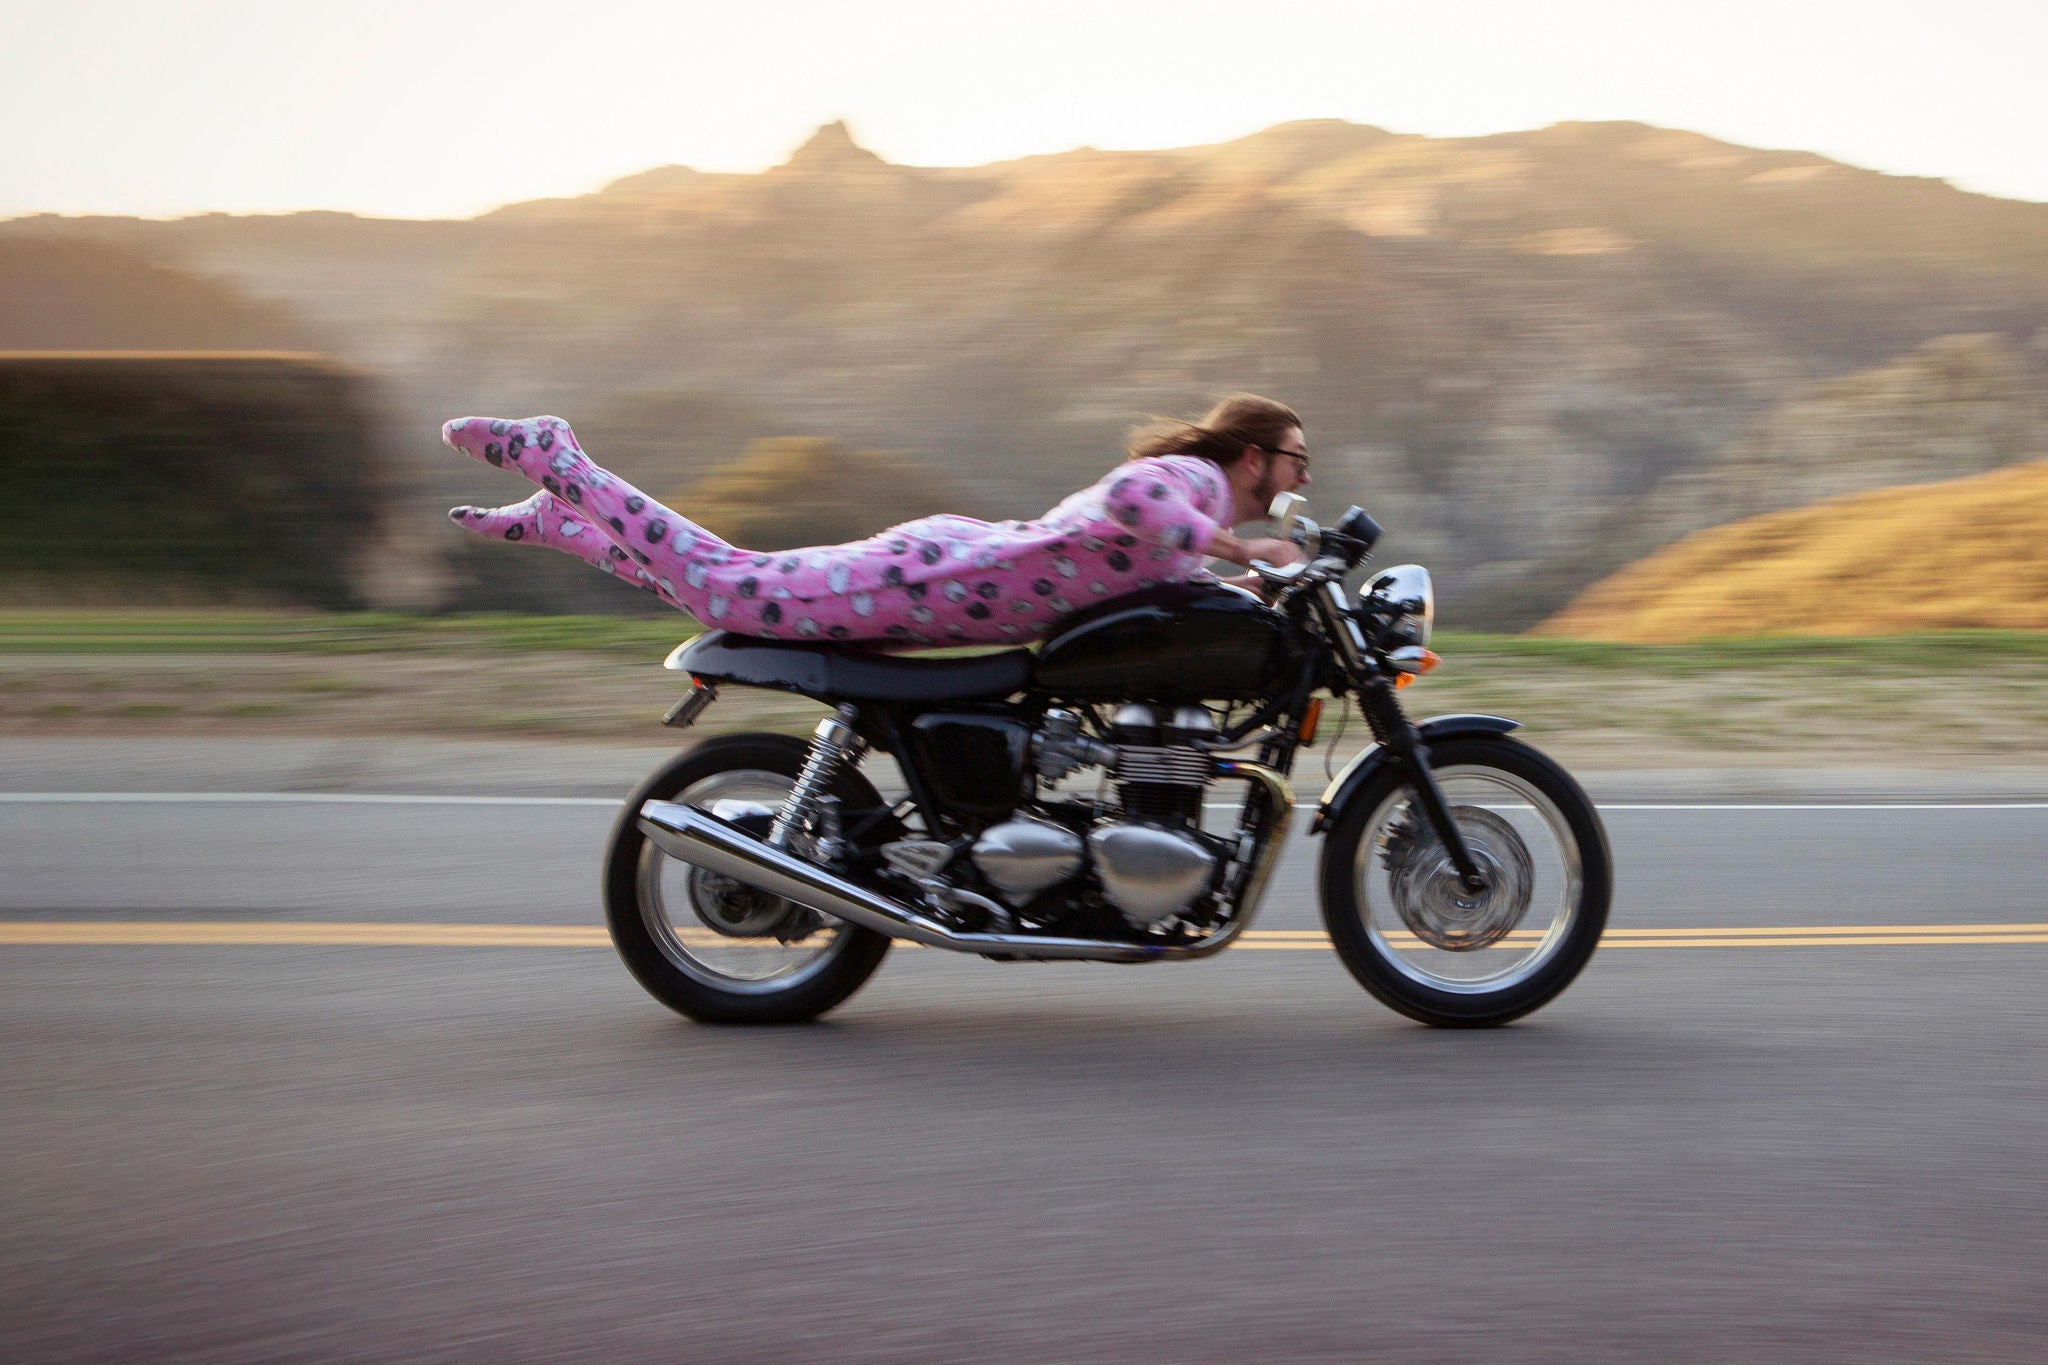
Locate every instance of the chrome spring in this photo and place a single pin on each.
(832, 744)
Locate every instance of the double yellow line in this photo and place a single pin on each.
(1758, 936)
(273, 933)
(342, 934)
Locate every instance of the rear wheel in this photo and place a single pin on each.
(711, 947)
(1402, 921)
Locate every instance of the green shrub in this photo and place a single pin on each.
(186, 477)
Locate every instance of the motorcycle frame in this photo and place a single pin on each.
(1351, 661)
(886, 726)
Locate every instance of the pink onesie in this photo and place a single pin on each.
(937, 580)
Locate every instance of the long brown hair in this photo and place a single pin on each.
(1242, 419)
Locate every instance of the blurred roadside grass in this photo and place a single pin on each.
(234, 632)
(1960, 697)
(171, 632)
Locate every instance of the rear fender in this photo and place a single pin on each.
(1367, 765)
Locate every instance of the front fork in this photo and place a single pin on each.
(1392, 728)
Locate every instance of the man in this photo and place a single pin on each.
(939, 580)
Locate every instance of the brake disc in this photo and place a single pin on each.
(1430, 896)
(733, 908)
(737, 910)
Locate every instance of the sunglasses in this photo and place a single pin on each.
(1301, 455)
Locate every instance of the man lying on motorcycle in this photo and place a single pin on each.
(938, 580)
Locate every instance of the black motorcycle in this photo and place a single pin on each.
(1061, 805)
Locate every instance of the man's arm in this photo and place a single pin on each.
(1226, 546)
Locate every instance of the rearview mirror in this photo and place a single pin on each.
(1284, 510)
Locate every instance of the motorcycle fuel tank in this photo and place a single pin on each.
(1175, 642)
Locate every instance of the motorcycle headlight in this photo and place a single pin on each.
(1403, 597)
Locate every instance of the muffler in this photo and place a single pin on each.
(703, 840)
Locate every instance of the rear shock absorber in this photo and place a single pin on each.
(833, 745)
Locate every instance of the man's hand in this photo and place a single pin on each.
(1278, 553)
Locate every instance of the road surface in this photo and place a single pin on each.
(1811, 1126)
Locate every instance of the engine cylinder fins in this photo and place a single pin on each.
(1173, 765)
(1163, 783)
(1161, 803)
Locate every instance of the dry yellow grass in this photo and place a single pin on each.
(1969, 553)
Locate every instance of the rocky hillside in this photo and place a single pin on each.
(1527, 353)
(1971, 552)
(1954, 405)
(59, 295)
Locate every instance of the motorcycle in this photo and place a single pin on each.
(1059, 806)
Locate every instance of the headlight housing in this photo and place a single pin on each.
(1404, 602)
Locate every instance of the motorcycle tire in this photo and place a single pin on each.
(657, 958)
(1558, 956)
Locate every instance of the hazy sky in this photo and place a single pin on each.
(449, 107)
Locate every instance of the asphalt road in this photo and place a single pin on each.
(1702, 1153)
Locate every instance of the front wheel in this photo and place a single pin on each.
(1403, 922)
(708, 946)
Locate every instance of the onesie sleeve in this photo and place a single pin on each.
(1175, 501)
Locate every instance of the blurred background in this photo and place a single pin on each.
(1616, 322)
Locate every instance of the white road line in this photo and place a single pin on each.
(290, 798)
(399, 799)
(330, 933)
(1829, 805)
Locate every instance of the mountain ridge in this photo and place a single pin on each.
(1508, 346)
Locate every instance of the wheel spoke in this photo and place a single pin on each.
(1427, 926)
(709, 946)
(720, 932)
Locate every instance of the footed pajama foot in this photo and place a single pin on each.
(541, 517)
(541, 448)
(544, 520)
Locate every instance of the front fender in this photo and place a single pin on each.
(1373, 757)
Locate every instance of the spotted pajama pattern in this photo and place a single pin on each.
(938, 580)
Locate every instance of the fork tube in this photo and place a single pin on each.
(1391, 725)
(1341, 629)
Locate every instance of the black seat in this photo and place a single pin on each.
(845, 673)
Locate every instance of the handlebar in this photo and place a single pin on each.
(1329, 553)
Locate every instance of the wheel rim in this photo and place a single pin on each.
(1422, 923)
(719, 932)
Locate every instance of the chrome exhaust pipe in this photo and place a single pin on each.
(703, 840)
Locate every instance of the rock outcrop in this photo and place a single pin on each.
(1955, 405)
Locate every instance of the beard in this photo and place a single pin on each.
(1268, 486)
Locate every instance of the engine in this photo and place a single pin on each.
(1152, 864)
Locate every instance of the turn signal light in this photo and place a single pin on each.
(1311, 716)
(1413, 663)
